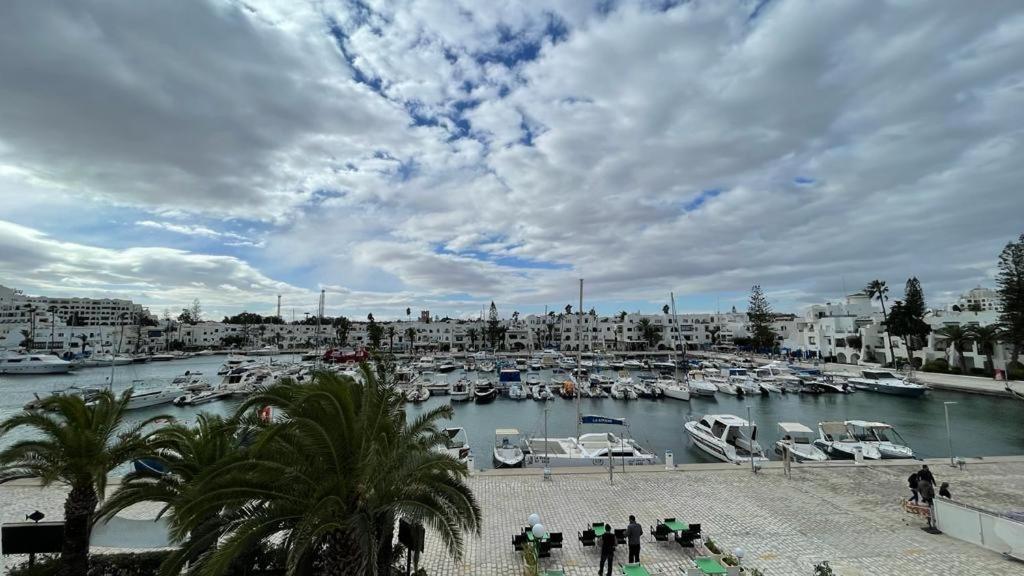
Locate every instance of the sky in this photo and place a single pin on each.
(441, 154)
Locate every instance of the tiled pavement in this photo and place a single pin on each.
(847, 515)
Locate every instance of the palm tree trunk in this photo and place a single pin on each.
(888, 334)
(78, 510)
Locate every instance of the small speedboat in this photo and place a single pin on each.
(197, 398)
(517, 392)
(726, 437)
(885, 382)
(485, 393)
(456, 444)
(446, 367)
(532, 379)
(675, 389)
(418, 394)
(836, 440)
(541, 392)
(800, 442)
(461, 390)
(881, 435)
(507, 450)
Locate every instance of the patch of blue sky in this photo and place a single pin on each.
(701, 199)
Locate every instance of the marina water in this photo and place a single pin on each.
(980, 425)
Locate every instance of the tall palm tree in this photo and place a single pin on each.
(649, 333)
(85, 341)
(74, 444)
(410, 335)
(960, 338)
(390, 331)
(185, 452)
(472, 335)
(878, 290)
(987, 338)
(334, 474)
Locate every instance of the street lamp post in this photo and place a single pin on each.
(949, 436)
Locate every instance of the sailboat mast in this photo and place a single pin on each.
(579, 360)
(675, 320)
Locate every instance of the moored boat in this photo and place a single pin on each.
(507, 450)
(882, 436)
(887, 383)
(726, 437)
(800, 441)
(461, 390)
(836, 440)
(485, 393)
(14, 363)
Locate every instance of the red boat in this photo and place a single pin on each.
(343, 356)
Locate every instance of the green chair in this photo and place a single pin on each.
(634, 570)
(553, 573)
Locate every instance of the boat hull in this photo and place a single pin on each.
(677, 393)
(486, 397)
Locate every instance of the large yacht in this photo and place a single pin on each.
(726, 437)
(15, 363)
(887, 383)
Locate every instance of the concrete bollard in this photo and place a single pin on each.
(670, 460)
(470, 464)
(858, 454)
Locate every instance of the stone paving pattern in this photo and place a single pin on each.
(848, 515)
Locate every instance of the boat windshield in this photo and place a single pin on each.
(883, 375)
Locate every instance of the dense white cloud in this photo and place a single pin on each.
(454, 152)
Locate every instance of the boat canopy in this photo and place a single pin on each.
(506, 432)
(595, 419)
(866, 424)
(794, 428)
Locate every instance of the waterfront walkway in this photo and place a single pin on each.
(844, 513)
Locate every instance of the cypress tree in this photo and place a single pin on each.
(1010, 284)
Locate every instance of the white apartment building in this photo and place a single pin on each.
(17, 308)
(980, 299)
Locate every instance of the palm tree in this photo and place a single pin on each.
(185, 453)
(568, 309)
(85, 342)
(878, 290)
(77, 445)
(987, 338)
(410, 335)
(472, 335)
(390, 331)
(665, 309)
(648, 331)
(960, 338)
(333, 474)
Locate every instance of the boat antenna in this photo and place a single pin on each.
(579, 361)
(675, 320)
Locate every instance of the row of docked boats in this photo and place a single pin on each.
(733, 439)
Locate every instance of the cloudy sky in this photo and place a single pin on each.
(443, 153)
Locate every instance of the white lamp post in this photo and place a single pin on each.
(949, 436)
(738, 553)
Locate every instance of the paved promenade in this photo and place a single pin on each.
(843, 513)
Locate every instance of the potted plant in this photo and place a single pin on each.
(823, 569)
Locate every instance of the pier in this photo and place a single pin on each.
(845, 513)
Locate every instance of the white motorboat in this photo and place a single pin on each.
(108, 359)
(881, 435)
(541, 392)
(887, 383)
(667, 365)
(456, 444)
(836, 440)
(191, 382)
(517, 392)
(726, 437)
(507, 450)
(461, 390)
(147, 397)
(701, 387)
(14, 363)
(632, 364)
(623, 392)
(425, 363)
(418, 394)
(740, 377)
(726, 387)
(233, 362)
(206, 352)
(269, 350)
(532, 379)
(485, 366)
(162, 357)
(591, 449)
(674, 389)
(197, 398)
(447, 366)
(801, 443)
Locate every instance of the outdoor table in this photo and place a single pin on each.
(598, 528)
(634, 570)
(709, 566)
(676, 525)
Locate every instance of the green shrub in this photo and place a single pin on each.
(753, 571)
(730, 560)
(131, 564)
(979, 372)
(1015, 371)
(711, 546)
(938, 365)
(823, 569)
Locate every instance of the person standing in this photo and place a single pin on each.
(787, 456)
(633, 533)
(912, 481)
(607, 550)
(925, 474)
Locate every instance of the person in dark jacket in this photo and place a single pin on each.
(944, 491)
(912, 481)
(926, 489)
(607, 550)
(633, 533)
(925, 474)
